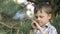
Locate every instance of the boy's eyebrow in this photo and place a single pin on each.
(39, 16)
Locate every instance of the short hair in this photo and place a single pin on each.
(47, 8)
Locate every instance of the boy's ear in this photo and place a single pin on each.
(49, 16)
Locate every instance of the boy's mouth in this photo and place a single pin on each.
(38, 22)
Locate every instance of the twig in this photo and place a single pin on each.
(8, 26)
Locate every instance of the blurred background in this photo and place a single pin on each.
(16, 15)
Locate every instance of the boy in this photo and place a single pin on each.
(41, 25)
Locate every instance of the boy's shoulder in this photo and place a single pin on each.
(51, 27)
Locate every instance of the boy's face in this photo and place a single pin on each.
(42, 18)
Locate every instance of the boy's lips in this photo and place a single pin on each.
(38, 21)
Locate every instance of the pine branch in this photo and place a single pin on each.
(1, 23)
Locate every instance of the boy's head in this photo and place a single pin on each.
(43, 14)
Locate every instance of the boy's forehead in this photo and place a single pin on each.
(41, 12)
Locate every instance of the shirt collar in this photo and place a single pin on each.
(47, 25)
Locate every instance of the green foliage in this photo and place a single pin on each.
(9, 8)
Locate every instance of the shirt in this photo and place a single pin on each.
(48, 28)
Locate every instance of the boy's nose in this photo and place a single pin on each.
(38, 19)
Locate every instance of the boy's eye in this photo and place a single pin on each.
(41, 16)
(36, 17)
